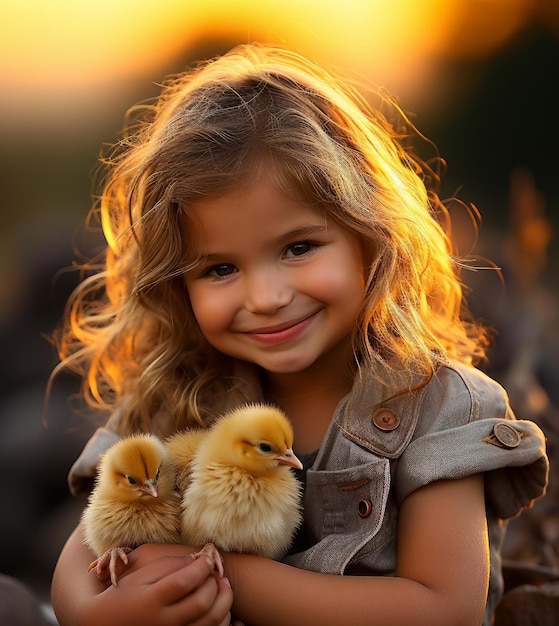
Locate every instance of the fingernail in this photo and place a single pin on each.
(226, 581)
(208, 561)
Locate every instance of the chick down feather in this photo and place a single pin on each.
(133, 502)
(241, 494)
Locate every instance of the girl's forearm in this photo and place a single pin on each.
(72, 586)
(442, 572)
(268, 593)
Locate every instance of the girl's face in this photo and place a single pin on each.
(280, 285)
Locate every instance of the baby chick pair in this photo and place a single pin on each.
(229, 487)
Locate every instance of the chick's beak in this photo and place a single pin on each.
(289, 458)
(150, 488)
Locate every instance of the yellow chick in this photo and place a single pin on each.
(134, 501)
(241, 495)
(181, 449)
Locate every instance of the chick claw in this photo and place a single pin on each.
(212, 553)
(110, 558)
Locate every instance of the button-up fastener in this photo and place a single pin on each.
(385, 419)
(504, 435)
(364, 508)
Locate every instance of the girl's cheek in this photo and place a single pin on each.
(212, 312)
(197, 301)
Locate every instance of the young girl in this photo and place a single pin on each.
(270, 238)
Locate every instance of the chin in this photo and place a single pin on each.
(287, 366)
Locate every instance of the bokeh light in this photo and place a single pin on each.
(60, 56)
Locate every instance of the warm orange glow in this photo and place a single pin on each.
(63, 41)
(478, 27)
(87, 49)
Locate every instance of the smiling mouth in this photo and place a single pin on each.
(282, 332)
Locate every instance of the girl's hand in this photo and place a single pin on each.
(162, 589)
(162, 585)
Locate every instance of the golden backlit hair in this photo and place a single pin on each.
(130, 329)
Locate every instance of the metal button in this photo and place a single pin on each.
(385, 419)
(506, 435)
(364, 508)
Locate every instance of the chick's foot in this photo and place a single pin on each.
(109, 559)
(212, 553)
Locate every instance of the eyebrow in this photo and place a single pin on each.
(296, 233)
(303, 231)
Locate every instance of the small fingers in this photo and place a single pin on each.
(199, 609)
(187, 576)
(175, 589)
(194, 593)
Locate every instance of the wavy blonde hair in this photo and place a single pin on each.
(129, 327)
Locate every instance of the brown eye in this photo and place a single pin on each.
(298, 249)
(224, 270)
(131, 480)
(220, 271)
(265, 447)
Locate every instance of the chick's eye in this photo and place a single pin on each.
(265, 447)
(131, 480)
(157, 473)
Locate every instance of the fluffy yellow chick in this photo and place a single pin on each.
(181, 449)
(134, 501)
(242, 495)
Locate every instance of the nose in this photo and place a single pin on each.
(267, 291)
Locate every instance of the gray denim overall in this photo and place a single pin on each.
(380, 447)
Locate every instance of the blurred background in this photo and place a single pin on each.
(478, 77)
